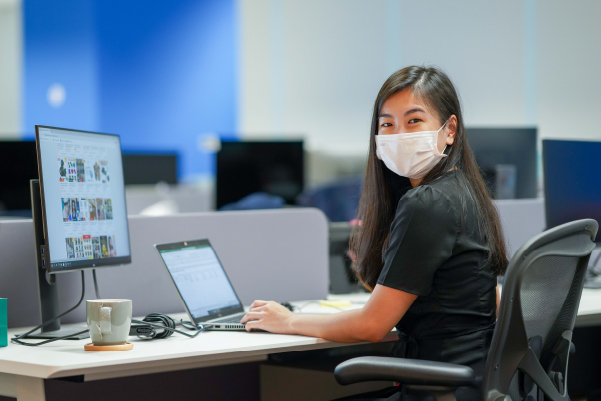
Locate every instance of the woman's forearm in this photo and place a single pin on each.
(385, 307)
(347, 327)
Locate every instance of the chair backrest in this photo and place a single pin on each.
(532, 341)
(338, 199)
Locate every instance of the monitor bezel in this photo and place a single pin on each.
(76, 264)
(194, 243)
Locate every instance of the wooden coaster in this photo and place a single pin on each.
(121, 347)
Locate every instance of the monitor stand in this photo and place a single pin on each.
(47, 291)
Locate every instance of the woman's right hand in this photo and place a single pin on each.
(269, 316)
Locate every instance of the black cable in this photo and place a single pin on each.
(188, 324)
(96, 284)
(16, 339)
(19, 337)
(160, 321)
(168, 326)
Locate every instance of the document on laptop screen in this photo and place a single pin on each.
(200, 279)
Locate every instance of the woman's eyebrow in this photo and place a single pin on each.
(414, 110)
(385, 116)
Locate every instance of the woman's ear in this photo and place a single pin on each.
(451, 130)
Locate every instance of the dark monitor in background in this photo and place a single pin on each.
(246, 167)
(572, 183)
(507, 158)
(149, 168)
(18, 165)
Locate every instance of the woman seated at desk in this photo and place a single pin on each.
(430, 245)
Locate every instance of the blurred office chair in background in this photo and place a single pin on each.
(255, 201)
(528, 357)
(338, 199)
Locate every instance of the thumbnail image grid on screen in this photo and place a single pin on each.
(84, 198)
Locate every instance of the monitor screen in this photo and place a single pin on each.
(18, 164)
(149, 168)
(83, 199)
(572, 185)
(246, 167)
(507, 159)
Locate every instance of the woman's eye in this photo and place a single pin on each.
(414, 120)
(386, 125)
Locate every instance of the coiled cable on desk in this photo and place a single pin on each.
(164, 322)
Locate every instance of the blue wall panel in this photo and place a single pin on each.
(161, 73)
(59, 40)
(170, 77)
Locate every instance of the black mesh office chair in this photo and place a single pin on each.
(528, 357)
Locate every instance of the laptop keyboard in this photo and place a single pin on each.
(230, 319)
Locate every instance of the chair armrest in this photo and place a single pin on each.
(406, 371)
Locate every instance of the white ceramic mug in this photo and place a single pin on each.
(109, 320)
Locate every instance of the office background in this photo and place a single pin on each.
(176, 75)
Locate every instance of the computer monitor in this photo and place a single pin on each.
(79, 211)
(149, 168)
(246, 167)
(507, 159)
(18, 165)
(83, 199)
(572, 185)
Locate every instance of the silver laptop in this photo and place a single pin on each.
(203, 285)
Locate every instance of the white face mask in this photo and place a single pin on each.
(412, 154)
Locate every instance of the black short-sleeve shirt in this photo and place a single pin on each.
(437, 252)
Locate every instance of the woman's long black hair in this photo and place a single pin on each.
(382, 188)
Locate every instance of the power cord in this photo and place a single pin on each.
(164, 322)
(17, 339)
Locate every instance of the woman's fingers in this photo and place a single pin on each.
(253, 324)
(251, 316)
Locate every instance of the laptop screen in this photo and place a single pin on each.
(200, 279)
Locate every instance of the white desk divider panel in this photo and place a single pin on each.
(277, 255)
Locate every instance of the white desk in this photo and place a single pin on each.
(23, 369)
(589, 311)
